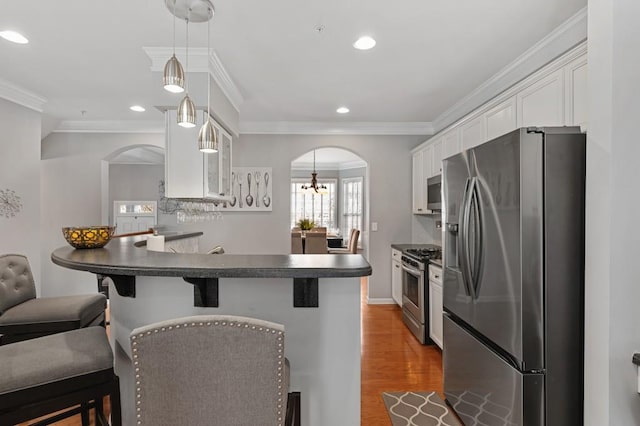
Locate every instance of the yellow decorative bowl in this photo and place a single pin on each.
(88, 237)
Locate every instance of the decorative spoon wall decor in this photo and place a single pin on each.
(258, 191)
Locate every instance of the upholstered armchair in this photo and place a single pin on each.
(24, 316)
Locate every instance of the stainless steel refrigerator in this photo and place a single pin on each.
(514, 279)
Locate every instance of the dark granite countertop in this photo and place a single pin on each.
(412, 246)
(436, 262)
(121, 257)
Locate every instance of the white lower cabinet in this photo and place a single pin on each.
(396, 276)
(435, 304)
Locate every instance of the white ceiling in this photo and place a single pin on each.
(88, 55)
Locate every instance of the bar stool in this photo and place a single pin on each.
(43, 375)
(24, 316)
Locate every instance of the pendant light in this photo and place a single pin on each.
(187, 109)
(314, 188)
(173, 76)
(207, 137)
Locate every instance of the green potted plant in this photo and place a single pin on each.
(306, 224)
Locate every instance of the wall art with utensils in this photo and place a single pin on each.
(250, 189)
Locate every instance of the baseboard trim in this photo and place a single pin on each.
(380, 301)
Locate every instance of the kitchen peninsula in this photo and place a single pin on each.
(316, 297)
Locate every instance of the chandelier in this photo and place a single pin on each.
(314, 188)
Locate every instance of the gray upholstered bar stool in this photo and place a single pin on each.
(24, 316)
(213, 370)
(72, 370)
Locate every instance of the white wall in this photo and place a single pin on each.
(71, 170)
(613, 202)
(20, 172)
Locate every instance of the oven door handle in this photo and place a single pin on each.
(414, 272)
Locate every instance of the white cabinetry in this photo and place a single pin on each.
(541, 104)
(184, 163)
(575, 89)
(437, 157)
(422, 170)
(396, 276)
(418, 183)
(501, 118)
(472, 133)
(188, 172)
(450, 144)
(435, 304)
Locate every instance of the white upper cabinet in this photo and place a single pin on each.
(422, 170)
(418, 183)
(541, 104)
(450, 144)
(217, 166)
(575, 89)
(472, 133)
(437, 157)
(184, 163)
(501, 118)
(188, 172)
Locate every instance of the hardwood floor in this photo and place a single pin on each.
(392, 360)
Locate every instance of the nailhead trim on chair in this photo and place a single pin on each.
(208, 324)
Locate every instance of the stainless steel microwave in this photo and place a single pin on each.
(434, 193)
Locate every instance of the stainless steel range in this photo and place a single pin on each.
(415, 294)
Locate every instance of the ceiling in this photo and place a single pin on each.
(88, 55)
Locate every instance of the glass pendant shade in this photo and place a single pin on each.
(173, 77)
(186, 112)
(207, 138)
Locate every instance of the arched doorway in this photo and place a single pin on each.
(130, 179)
(344, 202)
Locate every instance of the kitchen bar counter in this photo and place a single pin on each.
(122, 257)
(316, 298)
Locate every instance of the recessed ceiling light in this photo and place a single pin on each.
(364, 43)
(137, 108)
(342, 110)
(14, 37)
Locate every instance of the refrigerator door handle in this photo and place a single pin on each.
(465, 266)
(477, 240)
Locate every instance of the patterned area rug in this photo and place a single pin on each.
(418, 409)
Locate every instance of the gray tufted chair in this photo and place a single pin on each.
(212, 370)
(24, 316)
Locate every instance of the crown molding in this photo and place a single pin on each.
(223, 79)
(20, 96)
(110, 126)
(199, 61)
(335, 128)
(570, 33)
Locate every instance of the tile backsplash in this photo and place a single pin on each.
(425, 230)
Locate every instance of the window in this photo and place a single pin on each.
(319, 208)
(351, 205)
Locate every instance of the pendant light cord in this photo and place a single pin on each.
(174, 27)
(186, 70)
(208, 76)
